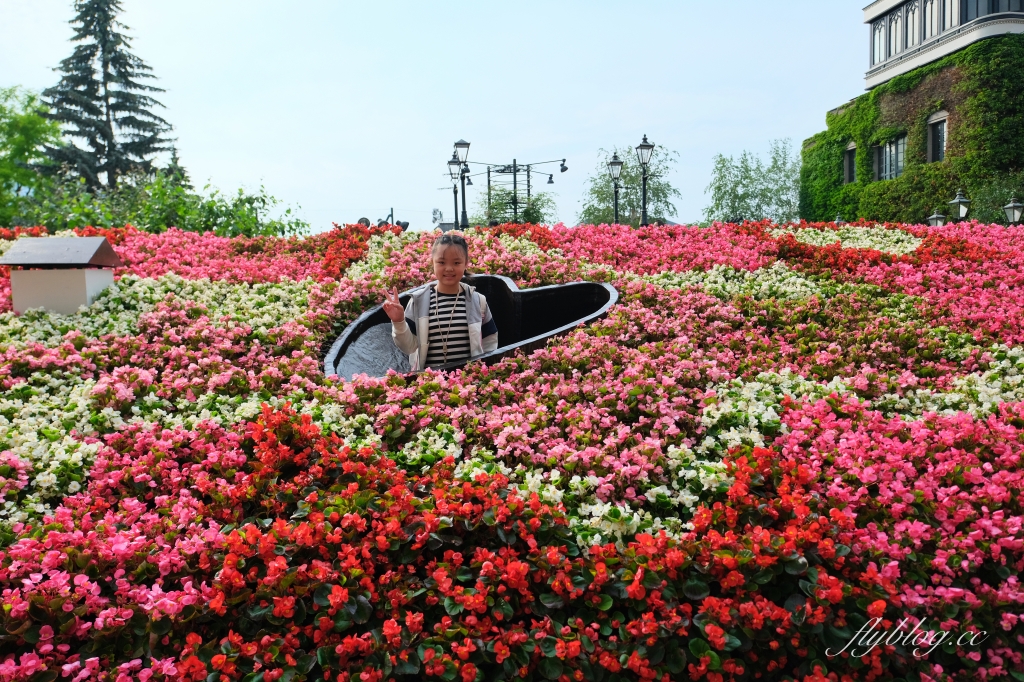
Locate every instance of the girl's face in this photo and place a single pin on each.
(449, 267)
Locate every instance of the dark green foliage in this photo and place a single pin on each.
(981, 88)
(24, 132)
(598, 202)
(154, 202)
(102, 103)
(539, 210)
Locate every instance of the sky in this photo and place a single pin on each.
(345, 110)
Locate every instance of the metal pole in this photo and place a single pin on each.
(455, 200)
(527, 185)
(489, 214)
(465, 218)
(643, 211)
(616, 183)
(515, 191)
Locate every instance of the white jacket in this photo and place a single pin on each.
(412, 334)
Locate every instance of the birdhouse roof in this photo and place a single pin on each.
(62, 252)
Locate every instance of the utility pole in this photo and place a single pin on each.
(515, 191)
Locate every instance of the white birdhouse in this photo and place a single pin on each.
(59, 274)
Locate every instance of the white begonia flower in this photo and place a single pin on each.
(896, 242)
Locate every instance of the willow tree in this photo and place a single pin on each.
(103, 101)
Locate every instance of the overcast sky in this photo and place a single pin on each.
(346, 109)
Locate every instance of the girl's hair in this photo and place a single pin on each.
(458, 241)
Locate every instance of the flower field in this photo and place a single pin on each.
(779, 437)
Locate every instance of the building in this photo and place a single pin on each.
(944, 110)
(904, 35)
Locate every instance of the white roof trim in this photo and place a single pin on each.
(953, 41)
(880, 8)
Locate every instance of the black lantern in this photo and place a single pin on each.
(961, 203)
(462, 149)
(937, 219)
(1013, 211)
(551, 179)
(469, 181)
(839, 219)
(615, 171)
(563, 167)
(615, 167)
(644, 150)
(454, 166)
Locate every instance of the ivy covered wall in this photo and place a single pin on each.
(982, 89)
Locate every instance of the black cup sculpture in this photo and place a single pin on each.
(526, 319)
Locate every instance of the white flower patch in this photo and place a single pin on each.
(116, 311)
(978, 394)
(356, 431)
(544, 483)
(599, 523)
(37, 418)
(481, 461)
(896, 242)
(431, 445)
(722, 281)
(526, 247)
(378, 252)
(744, 413)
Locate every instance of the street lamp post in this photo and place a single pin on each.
(455, 170)
(1013, 211)
(461, 154)
(936, 219)
(615, 170)
(961, 203)
(643, 154)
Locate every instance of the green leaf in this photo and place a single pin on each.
(551, 600)
(698, 647)
(675, 657)
(606, 602)
(363, 610)
(696, 589)
(550, 668)
(305, 663)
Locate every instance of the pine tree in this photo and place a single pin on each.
(101, 100)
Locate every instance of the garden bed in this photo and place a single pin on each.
(775, 439)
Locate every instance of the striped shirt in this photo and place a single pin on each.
(454, 338)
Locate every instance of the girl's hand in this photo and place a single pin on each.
(393, 307)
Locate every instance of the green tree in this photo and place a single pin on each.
(598, 202)
(154, 202)
(24, 133)
(540, 209)
(102, 103)
(750, 189)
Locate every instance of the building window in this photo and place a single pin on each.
(937, 127)
(1008, 5)
(878, 43)
(972, 9)
(891, 156)
(931, 18)
(913, 25)
(895, 34)
(850, 164)
(948, 15)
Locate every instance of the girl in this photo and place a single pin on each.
(446, 320)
